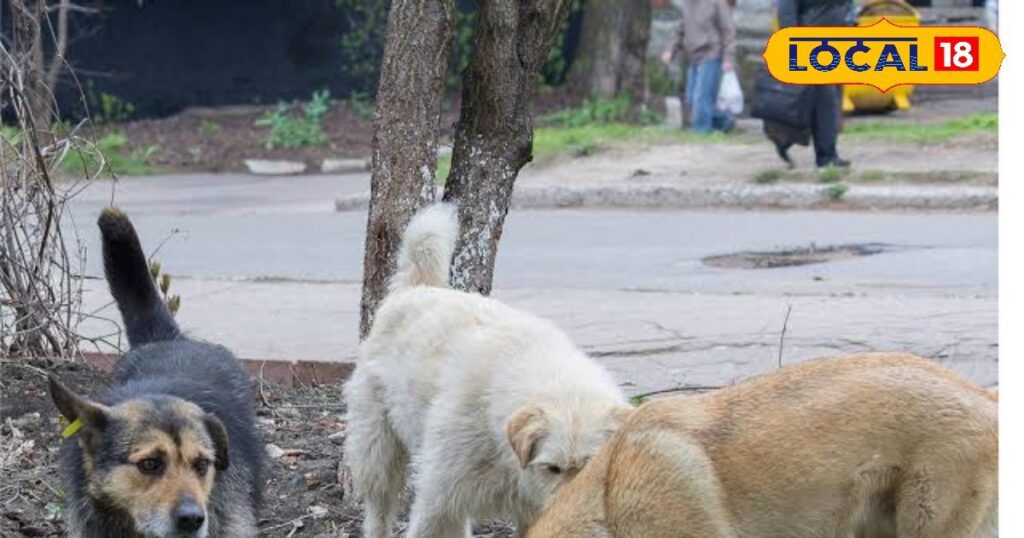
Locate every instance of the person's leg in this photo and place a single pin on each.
(721, 120)
(704, 92)
(825, 124)
(691, 76)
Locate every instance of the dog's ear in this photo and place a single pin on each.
(219, 436)
(75, 407)
(91, 417)
(525, 429)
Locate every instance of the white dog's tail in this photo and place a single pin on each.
(425, 256)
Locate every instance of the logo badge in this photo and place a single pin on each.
(883, 55)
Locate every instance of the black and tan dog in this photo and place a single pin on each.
(172, 450)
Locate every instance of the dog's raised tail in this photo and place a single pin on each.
(146, 317)
(425, 256)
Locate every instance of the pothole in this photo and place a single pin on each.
(793, 257)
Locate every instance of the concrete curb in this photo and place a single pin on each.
(344, 166)
(287, 373)
(789, 196)
(264, 167)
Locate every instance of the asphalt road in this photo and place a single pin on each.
(252, 228)
(267, 267)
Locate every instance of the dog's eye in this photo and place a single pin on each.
(201, 466)
(150, 466)
(553, 469)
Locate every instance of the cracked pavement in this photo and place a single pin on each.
(268, 268)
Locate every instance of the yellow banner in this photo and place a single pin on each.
(883, 55)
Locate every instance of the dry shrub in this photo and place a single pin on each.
(40, 268)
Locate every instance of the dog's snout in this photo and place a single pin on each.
(189, 516)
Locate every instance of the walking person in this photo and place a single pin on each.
(708, 36)
(823, 100)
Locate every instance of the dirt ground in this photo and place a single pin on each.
(303, 428)
(221, 139)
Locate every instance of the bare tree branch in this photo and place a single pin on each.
(40, 268)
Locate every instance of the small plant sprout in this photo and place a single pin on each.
(830, 174)
(835, 192)
(767, 176)
(163, 283)
(290, 130)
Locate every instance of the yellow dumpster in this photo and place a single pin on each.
(861, 98)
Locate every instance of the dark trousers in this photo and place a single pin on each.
(825, 123)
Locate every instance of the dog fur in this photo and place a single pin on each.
(492, 406)
(172, 449)
(872, 445)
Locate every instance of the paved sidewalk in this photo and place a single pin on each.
(958, 174)
(650, 340)
(722, 174)
(629, 286)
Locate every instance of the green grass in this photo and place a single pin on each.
(587, 139)
(831, 174)
(870, 175)
(601, 112)
(835, 192)
(551, 142)
(923, 133)
(768, 176)
(119, 160)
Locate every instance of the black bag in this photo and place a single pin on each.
(788, 104)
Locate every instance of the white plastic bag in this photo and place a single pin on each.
(730, 95)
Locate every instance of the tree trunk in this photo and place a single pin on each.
(613, 49)
(494, 136)
(406, 127)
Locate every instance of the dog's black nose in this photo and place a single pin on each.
(189, 517)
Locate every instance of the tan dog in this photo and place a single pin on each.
(872, 445)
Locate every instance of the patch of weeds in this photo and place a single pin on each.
(981, 122)
(110, 108)
(638, 400)
(360, 105)
(590, 139)
(835, 192)
(831, 174)
(923, 133)
(601, 112)
(291, 130)
(871, 175)
(767, 176)
(115, 109)
(118, 160)
(209, 128)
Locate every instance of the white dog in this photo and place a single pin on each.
(495, 406)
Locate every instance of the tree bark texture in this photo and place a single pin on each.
(405, 133)
(494, 136)
(613, 49)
